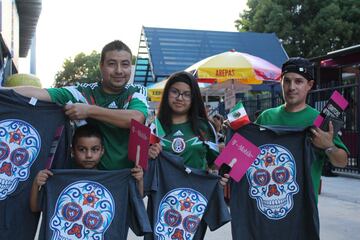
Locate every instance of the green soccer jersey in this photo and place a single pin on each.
(280, 117)
(115, 139)
(181, 140)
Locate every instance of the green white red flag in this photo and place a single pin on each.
(160, 133)
(238, 116)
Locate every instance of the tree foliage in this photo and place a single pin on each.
(306, 28)
(82, 69)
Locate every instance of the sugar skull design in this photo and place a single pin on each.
(179, 214)
(84, 210)
(272, 181)
(20, 145)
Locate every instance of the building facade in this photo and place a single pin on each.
(18, 20)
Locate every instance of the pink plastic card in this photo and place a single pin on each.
(239, 153)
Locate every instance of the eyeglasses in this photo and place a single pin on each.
(173, 92)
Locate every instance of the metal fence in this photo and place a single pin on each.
(350, 134)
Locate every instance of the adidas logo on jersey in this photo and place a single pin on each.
(178, 133)
(112, 105)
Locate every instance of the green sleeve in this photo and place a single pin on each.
(60, 95)
(340, 144)
(139, 102)
(211, 153)
(264, 118)
(258, 120)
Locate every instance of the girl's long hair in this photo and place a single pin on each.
(197, 109)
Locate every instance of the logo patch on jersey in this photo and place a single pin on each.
(84, 210)
(272, 181)
(20, 144)
(179, 214)
(178, 145)
(178, 134)
(112, 105)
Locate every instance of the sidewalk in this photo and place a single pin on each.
(339, 208)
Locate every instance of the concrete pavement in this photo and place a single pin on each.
(339, 209)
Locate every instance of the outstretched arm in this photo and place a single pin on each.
(27, 91)
(117, 117)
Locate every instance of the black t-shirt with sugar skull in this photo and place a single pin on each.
(91, 204)
(275, 199)
(27, 130)
(182, 201)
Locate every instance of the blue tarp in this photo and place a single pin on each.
(172, 50)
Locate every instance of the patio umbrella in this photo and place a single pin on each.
(154, 92)
(232, 65)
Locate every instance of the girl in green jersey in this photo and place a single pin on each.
(182, 124)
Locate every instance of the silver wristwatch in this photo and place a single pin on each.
(330, 150)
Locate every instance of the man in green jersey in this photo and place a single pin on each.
(110, 103)
(297, 79)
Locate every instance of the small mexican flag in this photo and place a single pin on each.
(238, 116)
(159, 131)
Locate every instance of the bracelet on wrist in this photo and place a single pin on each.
(330, 150)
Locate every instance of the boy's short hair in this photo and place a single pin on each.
(88, 130)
